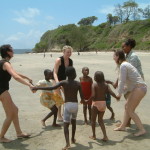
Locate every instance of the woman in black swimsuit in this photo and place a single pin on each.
(11, 110)
(59, 69)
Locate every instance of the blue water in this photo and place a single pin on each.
(22, 51)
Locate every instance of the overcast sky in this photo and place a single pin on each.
(22, 22)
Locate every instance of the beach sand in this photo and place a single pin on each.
(31, 111)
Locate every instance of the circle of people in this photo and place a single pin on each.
(95, 96)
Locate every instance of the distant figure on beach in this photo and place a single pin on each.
(59, 70)
(99, 90)
(11, 110)
(49, 99)
(44, 53)
(130, 80)
(86, 84)
(71, 88)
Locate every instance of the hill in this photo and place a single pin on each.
(91, 38)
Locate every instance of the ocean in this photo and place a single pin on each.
(22, 51)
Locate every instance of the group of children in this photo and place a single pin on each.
(95, 96)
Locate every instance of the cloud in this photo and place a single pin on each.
(106, 10)
(24, 40)
(26, 16)
(49, 18)
(23, 20)
(28, 13)
(31, 12)
(143, 5)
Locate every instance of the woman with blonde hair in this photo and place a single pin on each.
(130, 80)
(60, 66)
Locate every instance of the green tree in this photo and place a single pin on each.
(115, 19)
(119, 12)
(146, 12)
(129, 9)
(87, 21)
(110, 19)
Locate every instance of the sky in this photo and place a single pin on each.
(23, 22)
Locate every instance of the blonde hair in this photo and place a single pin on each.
(67, 47)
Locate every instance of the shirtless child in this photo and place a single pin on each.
(71, 89)
(99, 90)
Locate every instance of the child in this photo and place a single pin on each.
(108, 101)
(71, 89)
(86, 84)
(108, 105)
(99, 91)
(49, 99)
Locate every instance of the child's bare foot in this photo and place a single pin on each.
(105, 139)
(73, 141)
(66, 147)
(56, 125)
(4, 140)
(112, 117)
(85, 122)
(119, 129)
(141, 132)
(60, 119)
(128, 125)
(43, 123)
(92, 137)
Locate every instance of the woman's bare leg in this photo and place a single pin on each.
(8, 108)
(132, 104)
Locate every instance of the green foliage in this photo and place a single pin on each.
(101, 37)
(87, 21)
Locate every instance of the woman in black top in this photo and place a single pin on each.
(11, 110)
(59, 69)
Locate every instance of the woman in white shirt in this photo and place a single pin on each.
(130, 81)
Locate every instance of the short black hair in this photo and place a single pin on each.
(99, 77)
(85, 68)
(130, 42)
(4, 49)
(70, 71)
(46, 71)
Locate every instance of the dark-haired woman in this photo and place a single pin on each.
(11, 110)
(129, 79)
(131, 57)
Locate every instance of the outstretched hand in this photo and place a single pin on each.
(34, 89)
(118, 98)
(83, 101)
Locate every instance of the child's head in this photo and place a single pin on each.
(85, 71)
(99, 77)
(48, 74)
(71, 72)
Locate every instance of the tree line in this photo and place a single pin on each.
(124, 13)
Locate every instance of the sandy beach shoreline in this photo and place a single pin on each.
(50, 138)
